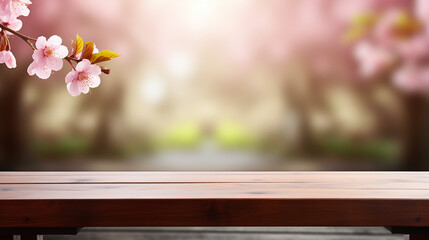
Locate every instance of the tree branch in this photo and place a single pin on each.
(23, 37)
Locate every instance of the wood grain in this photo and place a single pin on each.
(121, 199)
(212, 212)
(206, 191)
(390, 178)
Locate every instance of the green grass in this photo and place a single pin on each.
(232, 135)
(185, 136)
(61, 147)
(377, 149)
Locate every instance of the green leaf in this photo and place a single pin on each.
(89, 49)
(103, 56)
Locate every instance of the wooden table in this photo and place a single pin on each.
(36, 203)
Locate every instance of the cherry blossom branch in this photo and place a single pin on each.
(26, 39)
(49, 54)
(68, 59)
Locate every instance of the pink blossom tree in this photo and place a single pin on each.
(393, 41)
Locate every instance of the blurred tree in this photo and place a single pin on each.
(12, 122)
(415, 152)
(395, 45)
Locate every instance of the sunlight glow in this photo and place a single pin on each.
(153, 89)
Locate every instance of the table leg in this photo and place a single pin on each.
(418, 237)
(19, 237)
(7, 237)
(32, 237)
(411, 233)
(34, 233)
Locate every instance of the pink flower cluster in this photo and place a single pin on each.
(49, 54)
(10, 10)
(396, 40)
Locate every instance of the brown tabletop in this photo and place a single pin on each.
(116, 199)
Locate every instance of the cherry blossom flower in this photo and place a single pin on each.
(4, 9)
(412, 78)
(8, 58)
(47, 57)
(384, 31)
(372, 59)
(12, 23)
(415, 48)
(84, 77)
(422, 10)
(14, 8)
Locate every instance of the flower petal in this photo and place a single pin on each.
(55, 41)
(41, 42)
(83, 65)
(73, 88)
(54, 63)
(71, 76)
(93, 81)
(83, 87)
(32, 68)
(8, 58)
(43, 72)
(410, 78)
(39, 57)
(94, 70)
(61, 52)
(15, 24)
(11, 61)
(2, 56)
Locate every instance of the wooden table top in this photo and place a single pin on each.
(103, 199)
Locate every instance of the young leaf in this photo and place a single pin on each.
(77, 45)
(89, 49)
(103, 56)
(406, 26)
(105, 70)
(3, 43)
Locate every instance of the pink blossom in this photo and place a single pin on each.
(415, 48)
(47, 57)
(372, 59)
(8, 58)
(14, 8)
(11, 22)
(385, 32)
(4, 9)
(411, 78)
(422, 10)
(84, 77)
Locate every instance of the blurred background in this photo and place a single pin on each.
(223, 85)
